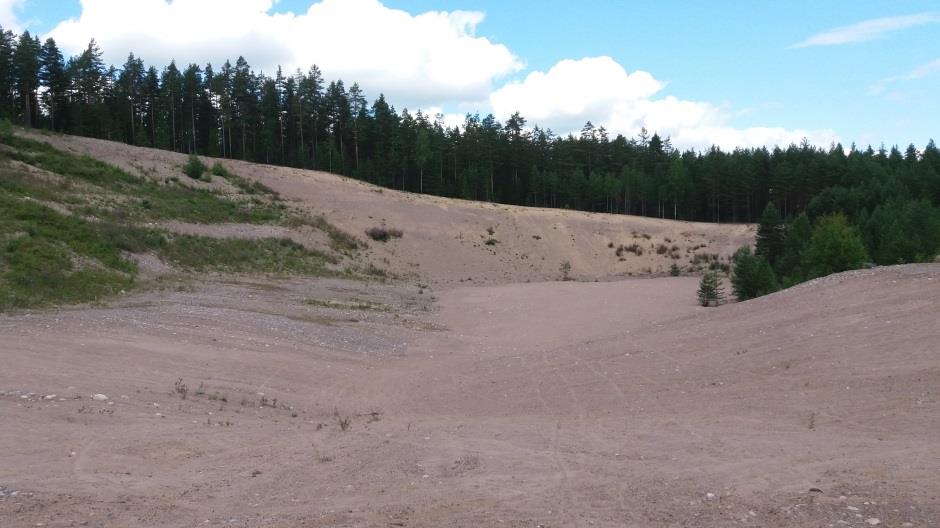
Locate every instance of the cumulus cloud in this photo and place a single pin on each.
(600, 90)
(8, 18)
(867, 30)
(432, 60)
(424, 59)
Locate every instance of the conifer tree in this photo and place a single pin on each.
(770, 234)
(710, 290)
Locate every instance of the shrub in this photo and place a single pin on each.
(675, 270)
(219, 170)
(383, 234)
(565, 270)
(491, 242)
(194, 167)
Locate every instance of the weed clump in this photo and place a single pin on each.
(194, 167)
(383, 234)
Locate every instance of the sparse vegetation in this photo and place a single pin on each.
(565, 270)
(94, 188)
(348, 305)
(383, 234)
(194, 167)
(344, 422)
(266, 255)
(634, 248)
(49, 258)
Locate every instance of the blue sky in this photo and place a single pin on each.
(734, 67)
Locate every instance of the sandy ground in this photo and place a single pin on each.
(544, 404)
(445, 240)
(475, 391)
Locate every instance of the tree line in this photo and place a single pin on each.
(301, 120)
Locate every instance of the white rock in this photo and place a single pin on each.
(99, 397)
(872, 521)
(709, 496)
(851, 508)
(51, 396)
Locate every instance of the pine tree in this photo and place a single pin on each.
(751, 275)
(710, 290)
(770, 234)
(54, 79)
(26, 70)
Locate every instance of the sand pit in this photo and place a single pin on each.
(335, 403)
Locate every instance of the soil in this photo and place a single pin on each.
(473, 389)
(548, 404)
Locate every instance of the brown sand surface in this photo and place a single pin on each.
(339, 403)
(444, 240)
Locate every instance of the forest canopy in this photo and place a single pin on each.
(889, 196)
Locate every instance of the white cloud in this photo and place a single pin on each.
(432, 60)
(867, 30)
(425, 59)
(600, 90)
(8, 18)
(919, 72)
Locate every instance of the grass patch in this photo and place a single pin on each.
(48, 258)
(238, 255)
(246, 186)
(139, 198)
(339, 240)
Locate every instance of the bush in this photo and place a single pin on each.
(675, 270)
(219, 170)
(383, 234)
(752, 275)
(194, 167)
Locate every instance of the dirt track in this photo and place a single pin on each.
(549, 404)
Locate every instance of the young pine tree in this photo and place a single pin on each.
(710, 291)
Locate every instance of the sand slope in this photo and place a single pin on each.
(550, 404)
(445, 240)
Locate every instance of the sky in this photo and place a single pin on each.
(726, 73)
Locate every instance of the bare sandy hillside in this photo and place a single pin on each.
(449, 241)
(332, 403)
